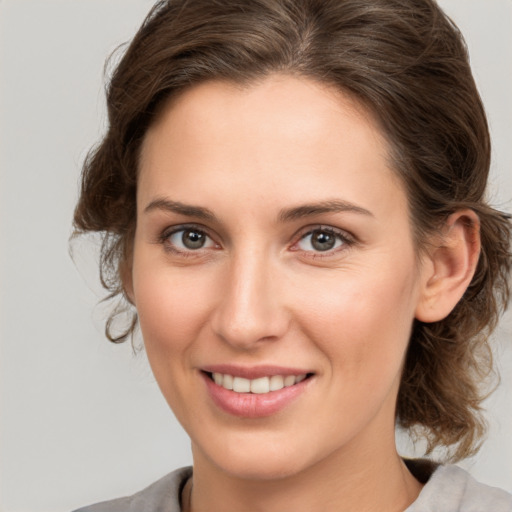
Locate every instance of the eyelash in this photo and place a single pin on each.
(168, 233)
(347, 241)
(345, 238)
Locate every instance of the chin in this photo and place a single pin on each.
(258, 460)
(260, 468)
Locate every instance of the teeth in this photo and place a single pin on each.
(289, 380)
(276, 382)
(258, 386)
(240, 385)
(261, 385)
(227, 381)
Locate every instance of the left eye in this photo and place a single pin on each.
(321, 240)
(190, 239)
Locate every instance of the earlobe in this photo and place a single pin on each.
(449, 266)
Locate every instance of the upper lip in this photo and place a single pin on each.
(253, 372)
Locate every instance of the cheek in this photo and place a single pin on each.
(363, 332)
(362, 320)
(172, 309)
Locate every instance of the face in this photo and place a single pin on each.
(273, 254)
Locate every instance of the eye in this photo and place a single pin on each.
(322, 240)
(189, 239)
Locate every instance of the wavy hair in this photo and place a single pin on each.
(407, 63)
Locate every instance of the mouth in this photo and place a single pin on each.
(257, 392)
(259, 386)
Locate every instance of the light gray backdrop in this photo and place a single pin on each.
(81, 419)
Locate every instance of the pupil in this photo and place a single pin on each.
(323, 241)
(193, 239)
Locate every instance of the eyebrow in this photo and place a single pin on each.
(285, 215)
(329, 206)
(180, 208)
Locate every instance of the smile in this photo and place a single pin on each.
(260, 385)
(255, 392)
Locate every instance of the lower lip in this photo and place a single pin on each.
(253, 405)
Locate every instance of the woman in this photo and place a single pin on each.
(292, 200)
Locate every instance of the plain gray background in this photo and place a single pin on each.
(81, 419)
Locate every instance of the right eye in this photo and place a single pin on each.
(188, 239)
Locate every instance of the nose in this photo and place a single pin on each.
(250, 310)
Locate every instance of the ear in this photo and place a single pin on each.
(449, 266)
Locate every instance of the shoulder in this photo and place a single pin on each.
(161, 496)
(452, 489)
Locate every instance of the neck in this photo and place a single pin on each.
(377, 481)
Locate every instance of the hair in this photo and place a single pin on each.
(403, 60)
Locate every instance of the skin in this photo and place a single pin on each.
(258, 292)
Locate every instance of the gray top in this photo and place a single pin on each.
(449, 489)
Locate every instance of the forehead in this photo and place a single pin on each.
(294, 137)
(297, 101)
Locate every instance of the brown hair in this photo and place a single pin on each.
(407, 63)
